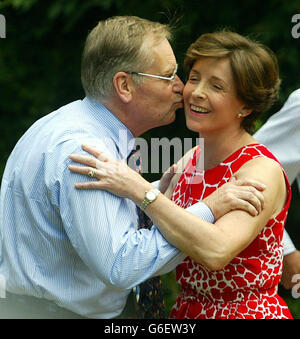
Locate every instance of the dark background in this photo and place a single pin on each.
(40, 61)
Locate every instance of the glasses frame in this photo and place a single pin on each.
(171, 78)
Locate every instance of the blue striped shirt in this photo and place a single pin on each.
(78, 248)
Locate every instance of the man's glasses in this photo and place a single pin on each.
(171, 78)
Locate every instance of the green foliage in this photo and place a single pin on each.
(40, 57)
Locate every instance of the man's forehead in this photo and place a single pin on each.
(165, 57)
(170, 68)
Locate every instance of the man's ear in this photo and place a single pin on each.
(123, 86)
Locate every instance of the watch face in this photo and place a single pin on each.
(150, 195)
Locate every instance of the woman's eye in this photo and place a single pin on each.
(219, 88)
(193, 79)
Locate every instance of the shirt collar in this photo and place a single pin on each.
(120, 133)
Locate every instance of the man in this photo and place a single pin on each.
(281, 133)
(66, 253)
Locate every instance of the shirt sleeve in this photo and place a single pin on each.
(288, 246)
(281, 134)
(155, 184)
(103, 230)
(200, 209)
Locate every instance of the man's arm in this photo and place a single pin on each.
(180, 227)
(103, 230)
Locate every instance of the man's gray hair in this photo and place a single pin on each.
(121, 43)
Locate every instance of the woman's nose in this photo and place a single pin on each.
(200, 92)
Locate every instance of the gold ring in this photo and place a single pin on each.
(91, 173)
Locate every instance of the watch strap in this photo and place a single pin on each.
(147, 201)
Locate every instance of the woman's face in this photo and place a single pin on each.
(210, 100)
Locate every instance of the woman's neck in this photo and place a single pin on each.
(221, 145)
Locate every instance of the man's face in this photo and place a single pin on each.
(156, 100)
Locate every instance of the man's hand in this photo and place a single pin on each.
(237, 195)
(291, 267)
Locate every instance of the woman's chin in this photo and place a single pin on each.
(192, 126)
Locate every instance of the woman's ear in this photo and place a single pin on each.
(245, 111)
(123, 86)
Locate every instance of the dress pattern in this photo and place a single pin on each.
(247, 286)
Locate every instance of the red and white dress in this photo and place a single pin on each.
(247, 286)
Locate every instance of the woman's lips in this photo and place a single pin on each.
(198, 110)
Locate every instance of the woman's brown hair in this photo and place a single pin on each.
(254, 68)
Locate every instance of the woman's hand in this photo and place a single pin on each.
(166, 178)
(113, 176)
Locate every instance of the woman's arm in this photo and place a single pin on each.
(215, 245)
(210, 244)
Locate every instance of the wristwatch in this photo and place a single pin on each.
(149, 197)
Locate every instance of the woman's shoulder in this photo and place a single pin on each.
(262, 163)
(263, 151)
(269, 172)
(260, 158)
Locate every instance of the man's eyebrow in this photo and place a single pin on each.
(170, 70)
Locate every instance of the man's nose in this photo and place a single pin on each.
(178, 85)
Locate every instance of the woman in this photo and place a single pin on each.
(233, 267)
